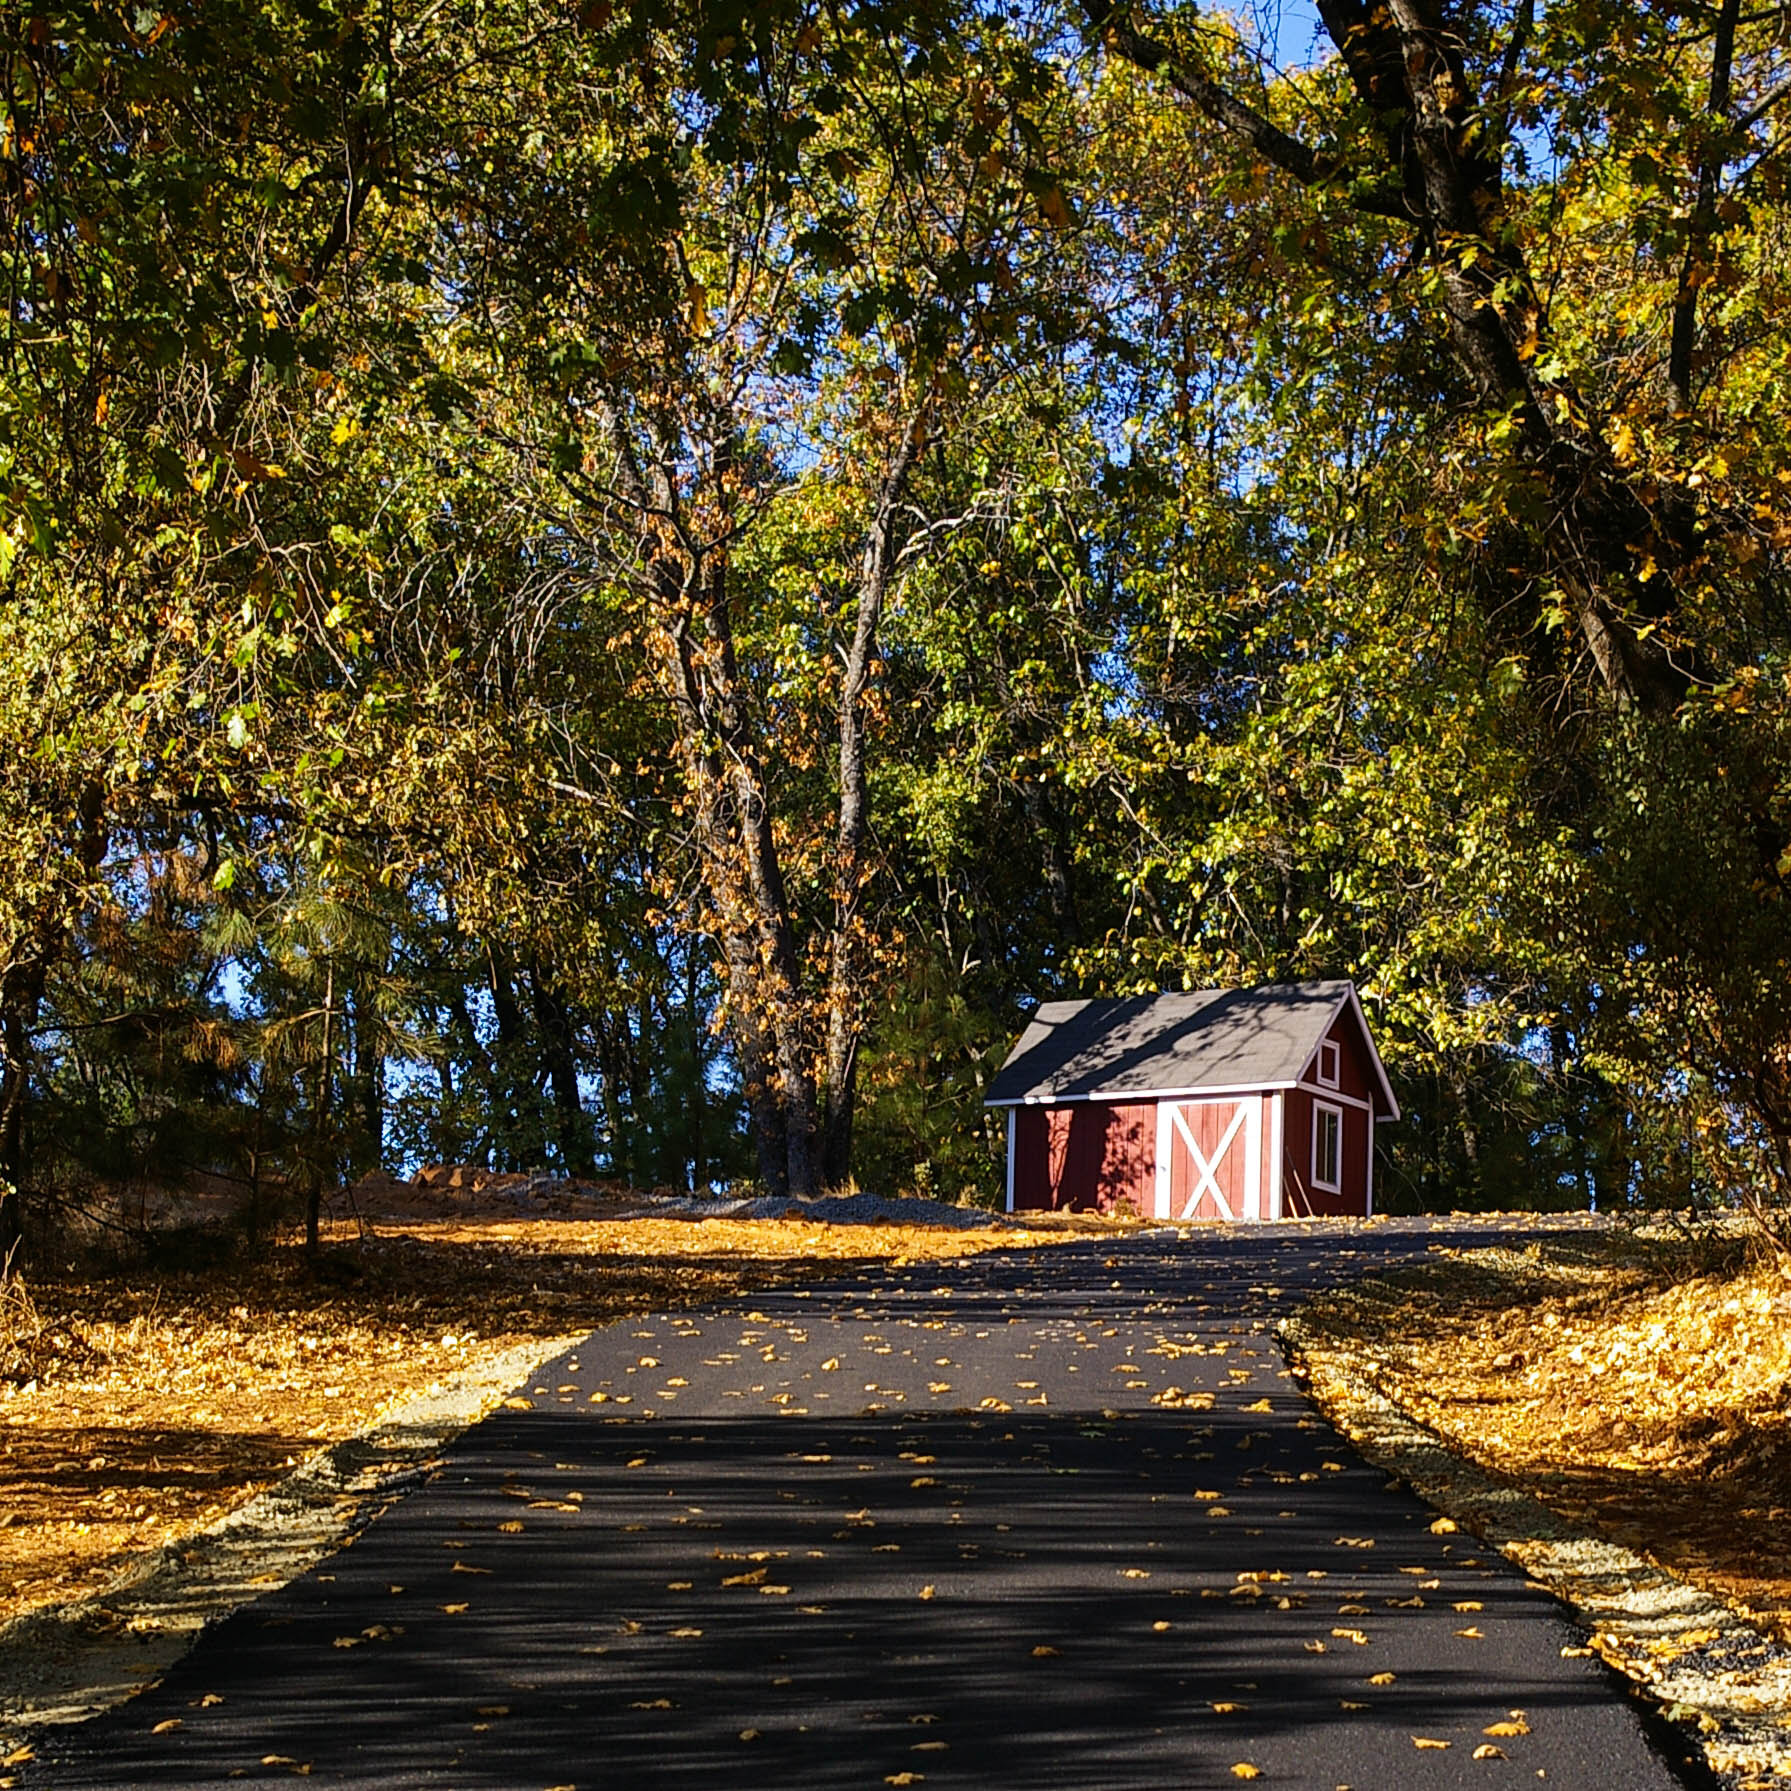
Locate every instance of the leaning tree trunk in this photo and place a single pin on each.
(1436, 167)
(852, 871)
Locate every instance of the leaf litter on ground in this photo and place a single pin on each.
(143, 1405)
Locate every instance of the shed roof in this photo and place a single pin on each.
(1198, 1042)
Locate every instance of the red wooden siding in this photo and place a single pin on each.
(1356, 1076)
(1085, 1156)
(1299, 1198)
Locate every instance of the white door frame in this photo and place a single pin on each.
(1247, 1114)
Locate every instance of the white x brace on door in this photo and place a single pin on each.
(1217, 1146)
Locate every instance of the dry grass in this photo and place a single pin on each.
(1642, 1388)
(143, 1406)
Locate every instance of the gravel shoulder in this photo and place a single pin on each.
(1696, 1658)
(71, 1661)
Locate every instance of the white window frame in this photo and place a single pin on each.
(1319, 1109)
(1330, 1064)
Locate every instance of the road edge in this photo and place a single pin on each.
(1689, 1653)
(68, 1662)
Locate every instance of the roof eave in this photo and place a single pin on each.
(1048, 1098)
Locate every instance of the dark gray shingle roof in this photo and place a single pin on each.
(1156, 1044)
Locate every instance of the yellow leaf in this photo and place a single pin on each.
(906, 1778)
(453, 1610)
(749, 1734)
(926, 1591)
(1472, 1632)
(167, 1727)
(686, 1635)
(1160, 1625)
(1228, 1709)
(1380, 1678)
(1042, 1650)
(1426, 1741)
(1517, 1726)
(1486, 1751)
(1244, 1770)
(1444, 1526)
(511, 1526)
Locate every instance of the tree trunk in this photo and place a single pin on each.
(554, 1023)
(1440, 172)
(23, 979)
(521, 1129)
(697, 1094)
(321, 1150)
(369, 1081)
(1693, 270)
(15, 1082)
(852, 872)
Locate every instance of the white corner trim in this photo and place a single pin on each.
(1010, 1159)
(1277, 1148)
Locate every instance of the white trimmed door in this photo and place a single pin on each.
(1209, 1158)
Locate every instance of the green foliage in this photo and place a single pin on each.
(441, 452)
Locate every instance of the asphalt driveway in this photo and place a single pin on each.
(1043, 1519)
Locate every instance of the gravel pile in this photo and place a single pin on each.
(841, 1209)
(867, 1209)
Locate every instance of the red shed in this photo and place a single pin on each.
(1214, 1104)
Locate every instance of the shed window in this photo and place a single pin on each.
(1329, 1071)
(1327, 1148)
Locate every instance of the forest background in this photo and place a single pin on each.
(618, 588)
